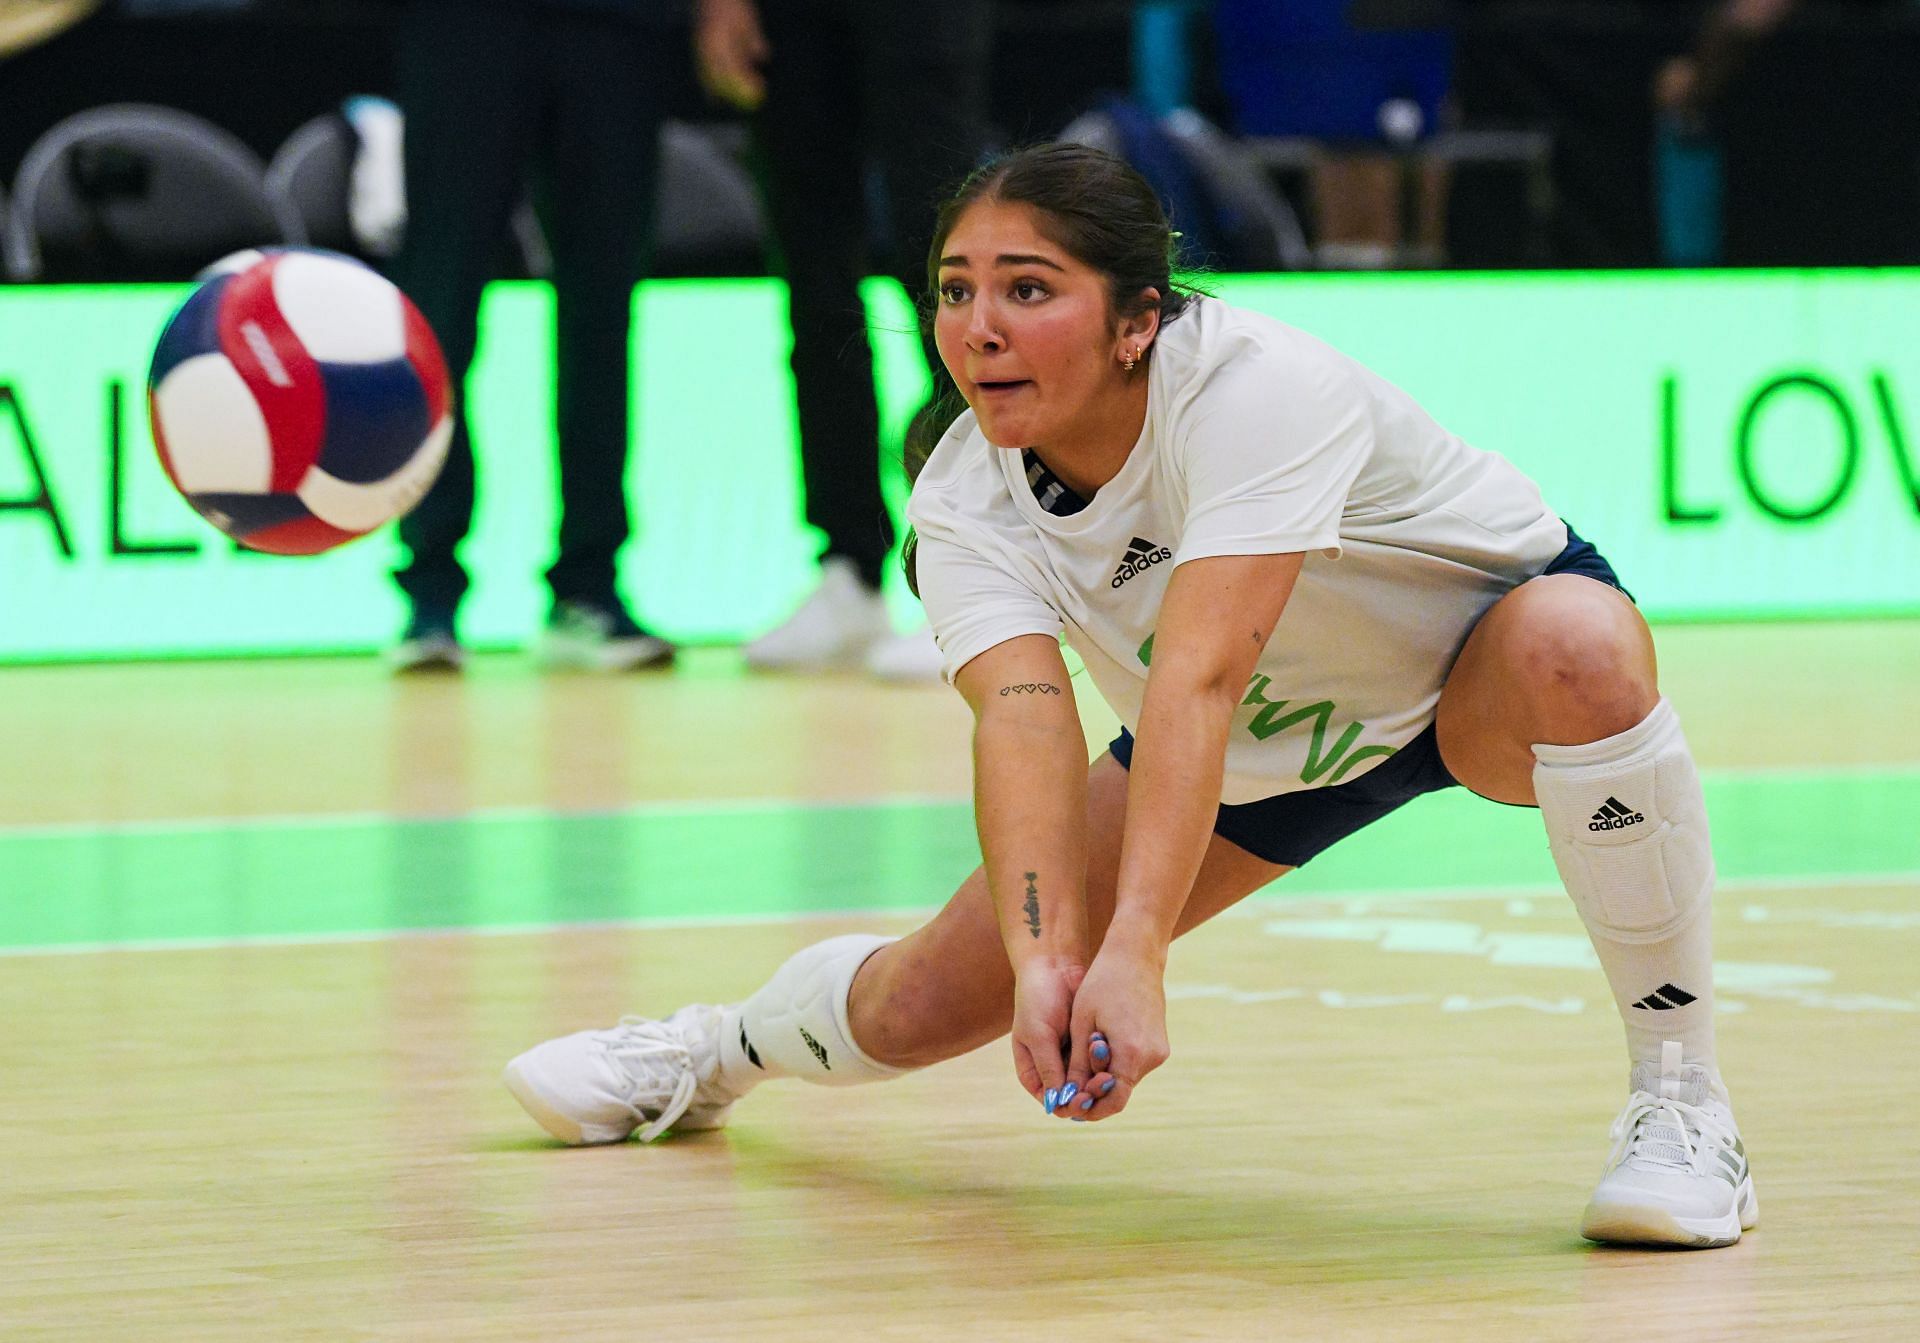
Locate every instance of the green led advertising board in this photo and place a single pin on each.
(1740, 444)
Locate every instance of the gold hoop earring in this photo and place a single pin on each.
(1128, 359)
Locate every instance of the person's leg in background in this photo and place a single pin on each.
(470, 108)
(926, 89)
(811, 141)
(602, 156)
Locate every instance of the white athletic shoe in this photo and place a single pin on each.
(834, 627)
(912, 656)
(598, 636)
(1678, 1172)
(599, 1086)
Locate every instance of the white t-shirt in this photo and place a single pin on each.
(1259, 439)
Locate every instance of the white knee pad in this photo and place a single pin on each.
(1627, 823)
(796, 1025)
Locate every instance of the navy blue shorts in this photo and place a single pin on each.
(1294, 827)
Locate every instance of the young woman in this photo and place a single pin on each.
(1308, 603)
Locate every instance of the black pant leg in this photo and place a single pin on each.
(926, 88)
(470, 115)
(604, 84)
(811, 140)
(926, 91)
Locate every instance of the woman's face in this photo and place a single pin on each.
(1026, 330)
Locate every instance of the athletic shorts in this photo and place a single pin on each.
(1294, 827)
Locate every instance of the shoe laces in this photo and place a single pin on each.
(653, 1061)
(1667, 1132)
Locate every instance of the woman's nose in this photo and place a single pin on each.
(983, 330)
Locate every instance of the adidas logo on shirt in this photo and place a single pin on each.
(1141, 555)
(1665, 999)
(1614, 815)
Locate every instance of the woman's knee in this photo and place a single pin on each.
(1584, 660)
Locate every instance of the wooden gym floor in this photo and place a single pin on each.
(268, 931)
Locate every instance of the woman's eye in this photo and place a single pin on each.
(1026, 291)
(953, 293)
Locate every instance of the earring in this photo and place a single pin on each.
(1128, 359)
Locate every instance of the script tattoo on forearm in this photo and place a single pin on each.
(1030, 688)
(1032, 906)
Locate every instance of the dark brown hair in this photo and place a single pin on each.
(1086, 201)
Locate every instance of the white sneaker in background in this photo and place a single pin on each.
(834, 627)
(599, 1086)
(1678, 1171)
(912, 656)
(598, 636)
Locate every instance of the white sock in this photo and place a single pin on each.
(796, 1024)
(1628, 826)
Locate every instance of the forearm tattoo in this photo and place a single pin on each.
(1032, 906)
(1030, 688)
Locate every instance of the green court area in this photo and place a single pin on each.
(366, 876)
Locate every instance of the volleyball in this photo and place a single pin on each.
(299, 400)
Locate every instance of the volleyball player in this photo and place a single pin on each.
(1308, 604)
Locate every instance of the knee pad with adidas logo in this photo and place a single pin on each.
(1627, 824)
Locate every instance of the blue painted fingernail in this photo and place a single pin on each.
(1071, 1090)
(1106, 1086)
(1100, 1051)
(1053, 1099)
(1078, 1120)
(1087, 1104)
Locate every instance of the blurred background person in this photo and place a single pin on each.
(840, 89)
(491, 89)
(1689, 159)
(1369, 81)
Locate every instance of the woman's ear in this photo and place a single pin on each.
(1138, 331)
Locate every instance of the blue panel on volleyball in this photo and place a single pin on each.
(246, 514)
(194, 331)
(376, 419)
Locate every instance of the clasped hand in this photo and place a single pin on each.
(1084, 1037)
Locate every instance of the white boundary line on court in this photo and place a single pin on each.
(723, 806)
(1258, 905)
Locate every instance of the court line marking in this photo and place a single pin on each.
(1903, 772)
(744, 806)
(1254, 906)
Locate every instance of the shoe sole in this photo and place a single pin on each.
(526, 1089)
(1619, 1223)
(850, 655)
(404, 662)
(627, 655)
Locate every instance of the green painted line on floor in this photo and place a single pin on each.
(294, 880)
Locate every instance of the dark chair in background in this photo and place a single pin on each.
(309, 179)
(133, 191)
(708, 221)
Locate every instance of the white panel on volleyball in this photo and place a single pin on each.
(228, 450)
(361, 508)
(342, 312)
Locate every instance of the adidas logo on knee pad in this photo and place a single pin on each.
(1665, 999)
(1614, 815)
(819, 1050)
